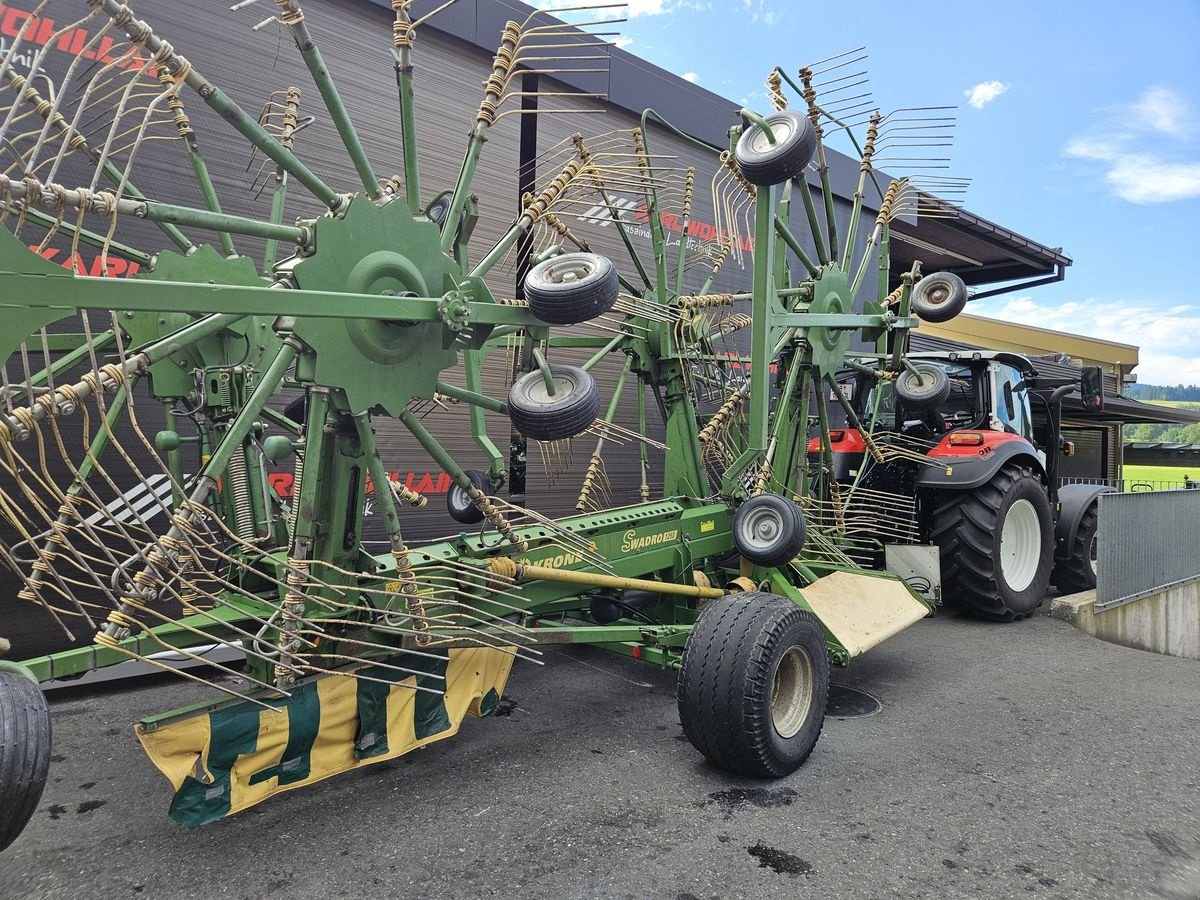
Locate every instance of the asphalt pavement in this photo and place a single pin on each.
(1005, 761)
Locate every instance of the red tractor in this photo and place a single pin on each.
(981, 437)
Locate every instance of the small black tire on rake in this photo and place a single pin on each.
(924, 391)
(24, 752)
(769, 530)
(765, 163)
(754, 684)
(542, 416)
(458, 501)
(572, 288)
(939, 297)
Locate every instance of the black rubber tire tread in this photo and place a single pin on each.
(791, 540)
(944, 310)
(920, 398)
(571, 302)
(470, 513)
(1073, 573)
(779, 163)
(966, 527)
(24, 752)
(724, 688)
(557, 420)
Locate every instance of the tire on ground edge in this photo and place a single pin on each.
(725, 684)
(24, 752)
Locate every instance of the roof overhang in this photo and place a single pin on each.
(1126, 411)
(979, 251)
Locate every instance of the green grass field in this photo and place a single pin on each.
(1159, 473)
(1178, 404)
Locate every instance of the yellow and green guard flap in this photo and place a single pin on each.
(228, 759)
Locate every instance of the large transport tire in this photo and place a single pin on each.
(925, 391)
(997, 545)
(754, 684)
(1077, 571)
(769, 530)
(764, 163)
(572, 288)
(541, 416)
(24, 752)
(939, 297)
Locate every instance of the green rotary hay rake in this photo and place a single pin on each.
(740, 562)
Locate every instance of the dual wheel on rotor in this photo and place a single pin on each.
(785, 154)
(563, 290)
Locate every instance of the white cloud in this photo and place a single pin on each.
(623, 42)
(1143, 178)
(1168, 336)
(1164, 110)
(1139, 147)
(985, 92)
(689, 76)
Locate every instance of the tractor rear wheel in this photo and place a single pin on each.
(1077, 571)
(24, 752)
(754, 684)
(997, 545)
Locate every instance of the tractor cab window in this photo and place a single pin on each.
(961, 408)
(1010, 407)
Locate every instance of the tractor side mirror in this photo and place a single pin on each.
(1091, 387)
(1009, 407)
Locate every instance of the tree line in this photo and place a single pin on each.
(1187, 396)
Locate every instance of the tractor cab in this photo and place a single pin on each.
(944, 404)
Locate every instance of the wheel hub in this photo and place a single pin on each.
(763, 528)
(1020, 545)
(791, 692)
(781, 130)
(569, 271)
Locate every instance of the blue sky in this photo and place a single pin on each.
(1084, 132)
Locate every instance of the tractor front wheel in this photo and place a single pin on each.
(997, 545)
(754, 684)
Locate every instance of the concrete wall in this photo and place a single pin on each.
(1167, 622)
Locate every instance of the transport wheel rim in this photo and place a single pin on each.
(791, 692)
(568, 271)
(762, 529)
(782, 131)
(1092, 555)
(937, 294)
(564, 387)
(1020, 545)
